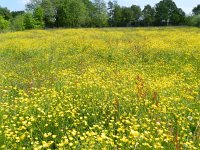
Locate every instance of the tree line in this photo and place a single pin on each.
(96, 13)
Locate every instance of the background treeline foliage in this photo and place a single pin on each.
(96, 13)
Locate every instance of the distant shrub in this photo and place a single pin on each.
(18, 23)
(4, 24)
(29, 21)
(194, 20)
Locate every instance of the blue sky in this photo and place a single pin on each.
(186, 5)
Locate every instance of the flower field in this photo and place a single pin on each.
(134, 88)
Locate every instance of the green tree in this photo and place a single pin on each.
(130, 16)
(100, 14)
(113, 13)
(17, 13)
(193, 20)
(17, 23)
(89, 14)
(32, 5)
(196, 10)
(178, 17)
(49, 8)
(38, 15)
(61, 10)
(196, 20)
(4, 24)
(148, 15)
(71, 13)
(29, 22)
(77, 14)
(126, 16)
(136, 14)
(117, 15)
(164, 11)
(5, 13)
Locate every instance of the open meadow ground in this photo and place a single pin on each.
(111, 89)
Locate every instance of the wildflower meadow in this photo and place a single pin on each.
(111, 89)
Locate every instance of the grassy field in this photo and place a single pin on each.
(111, 89)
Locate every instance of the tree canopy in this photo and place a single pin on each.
(196, 10)
(96, 13)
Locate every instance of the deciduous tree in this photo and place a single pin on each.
(117, 15)
(29, 22)
(4, 24)
(100, 15)
(135, 15)
(5, 13)
(38, 15)
(17, 23)
(164, 12)
(196, 10)
(49, 10)
(148, 15)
